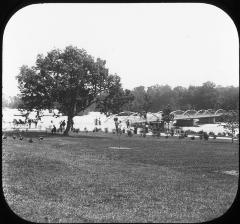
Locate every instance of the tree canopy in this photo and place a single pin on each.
(69, 80)
(207, 96)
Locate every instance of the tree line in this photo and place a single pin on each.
(157, 97)
(206, 96)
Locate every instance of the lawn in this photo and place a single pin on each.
(80, 179)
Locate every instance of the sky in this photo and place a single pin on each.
(145, 44)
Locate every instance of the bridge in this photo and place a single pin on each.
(202, 116)
(193, 114)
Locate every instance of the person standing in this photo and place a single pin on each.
(127, 123)
(63, 124)
(99, 121)
(29, 123)
(54, 130)
(36, 122)
(60, 126)
(116, 124)
(120, 127)
(96, 122)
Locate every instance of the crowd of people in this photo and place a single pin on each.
(29, 122)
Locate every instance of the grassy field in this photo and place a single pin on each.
(80, 179)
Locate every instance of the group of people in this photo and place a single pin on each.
(119, 126)
(27, 121)
(97, 121)
(61, 127)
(30, 121)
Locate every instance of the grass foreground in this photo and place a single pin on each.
(81, 179)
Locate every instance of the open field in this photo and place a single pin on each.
(80, 179)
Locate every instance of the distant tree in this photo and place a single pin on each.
(227, 97)
(161, 96)
(15, 101)
(11, 101)
(142, 101)
(4, 101)
(231, 120)
(69, 80)
(207, 96)
(167, 117)
(179, 94)
(128, 100)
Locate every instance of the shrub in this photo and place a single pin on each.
(205, 136)
(211, 133)
(129, 133)
(193, 138)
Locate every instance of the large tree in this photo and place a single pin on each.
(69, 80)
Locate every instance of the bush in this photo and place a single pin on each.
(129, 133)
(211, 133)
(193, 138)
(205, 136)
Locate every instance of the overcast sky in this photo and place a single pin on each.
(145, 44)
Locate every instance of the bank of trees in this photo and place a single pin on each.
(206, 96)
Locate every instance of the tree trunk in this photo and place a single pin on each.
(69, 123)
